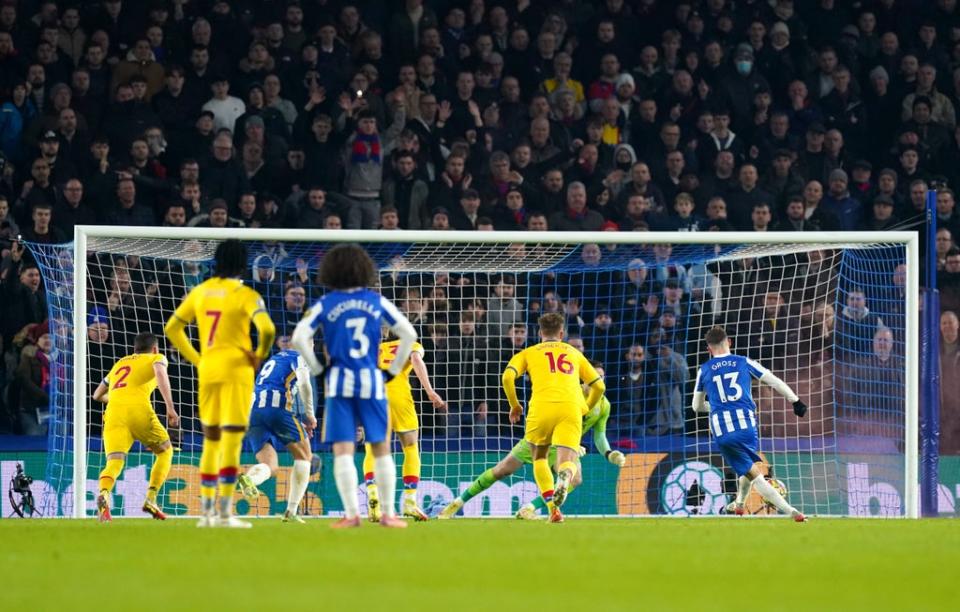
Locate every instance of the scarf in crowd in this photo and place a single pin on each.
(366, 149)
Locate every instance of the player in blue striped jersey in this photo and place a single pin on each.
(281, 386)
(350, 315)
(724, 381)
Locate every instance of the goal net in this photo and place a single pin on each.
(835, 319)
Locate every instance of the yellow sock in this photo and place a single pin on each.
(231, 442)
(544, 478)
(568, 465)
(209, 472)
(368, 467)
(158, 473)
(108, 477)
(411, 471)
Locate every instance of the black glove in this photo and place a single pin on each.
(799, 408)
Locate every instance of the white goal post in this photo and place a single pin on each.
(484, 252)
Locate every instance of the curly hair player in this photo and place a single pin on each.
(724, 382)
(350, 315)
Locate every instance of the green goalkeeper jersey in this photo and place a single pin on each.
(596, 419)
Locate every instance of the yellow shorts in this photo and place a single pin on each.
(124, 424)
(554, 425)
(226, 403)
(403, 414)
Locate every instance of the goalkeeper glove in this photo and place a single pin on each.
(799, 408)
(616, 458)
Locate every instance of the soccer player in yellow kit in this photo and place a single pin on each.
(557, 406)
(129, 416)
(223, 308)
(403, 421)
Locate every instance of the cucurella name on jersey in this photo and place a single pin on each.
(355, 304)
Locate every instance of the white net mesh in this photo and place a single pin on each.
(827, 318)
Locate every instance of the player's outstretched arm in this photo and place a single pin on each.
(772, 380)
(100, 394)
(600, 438)
(401, 327)
(302, 338)
(420, 369)
(163, 385)
(266, 332)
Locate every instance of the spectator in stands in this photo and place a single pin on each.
(468, 366)
(175, 215)
(944, 243)
(313, 209)
(41, 230)
(125, 210)
(576, 217)
(33, 378)
(840, 203)
(406, 192)
(24, 299)
(466, 215)
(947, 215)
(882, 217)
(226, 109)
(503, 308)
(669, 373)
(634, 394)
(855, 327)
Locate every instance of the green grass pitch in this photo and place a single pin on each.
(500, 565)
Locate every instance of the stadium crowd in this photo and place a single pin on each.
(567, 115)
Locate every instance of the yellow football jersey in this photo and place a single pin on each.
(401, 383)
(556, 370)
(131, 380)
(223, 309)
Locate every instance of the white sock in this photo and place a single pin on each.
(743, 489)
(771, 495)
(259, 473)
(299, 479)
(345, 473)
(385, 473)
(226, 506)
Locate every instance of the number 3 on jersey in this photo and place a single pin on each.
(358, 324)
(730, 392)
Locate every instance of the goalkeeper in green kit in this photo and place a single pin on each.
(595, 419)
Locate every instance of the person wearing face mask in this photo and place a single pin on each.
(740, 86)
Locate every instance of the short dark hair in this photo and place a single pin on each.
(230, 259)
(716, 335)
(144, 342)
(346, 266)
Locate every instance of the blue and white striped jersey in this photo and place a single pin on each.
(276, 383)
(351, 333)
(726, 382)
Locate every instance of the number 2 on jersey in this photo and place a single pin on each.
(559, 363)
(122, 374)
(732, 391)
(215, 314)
